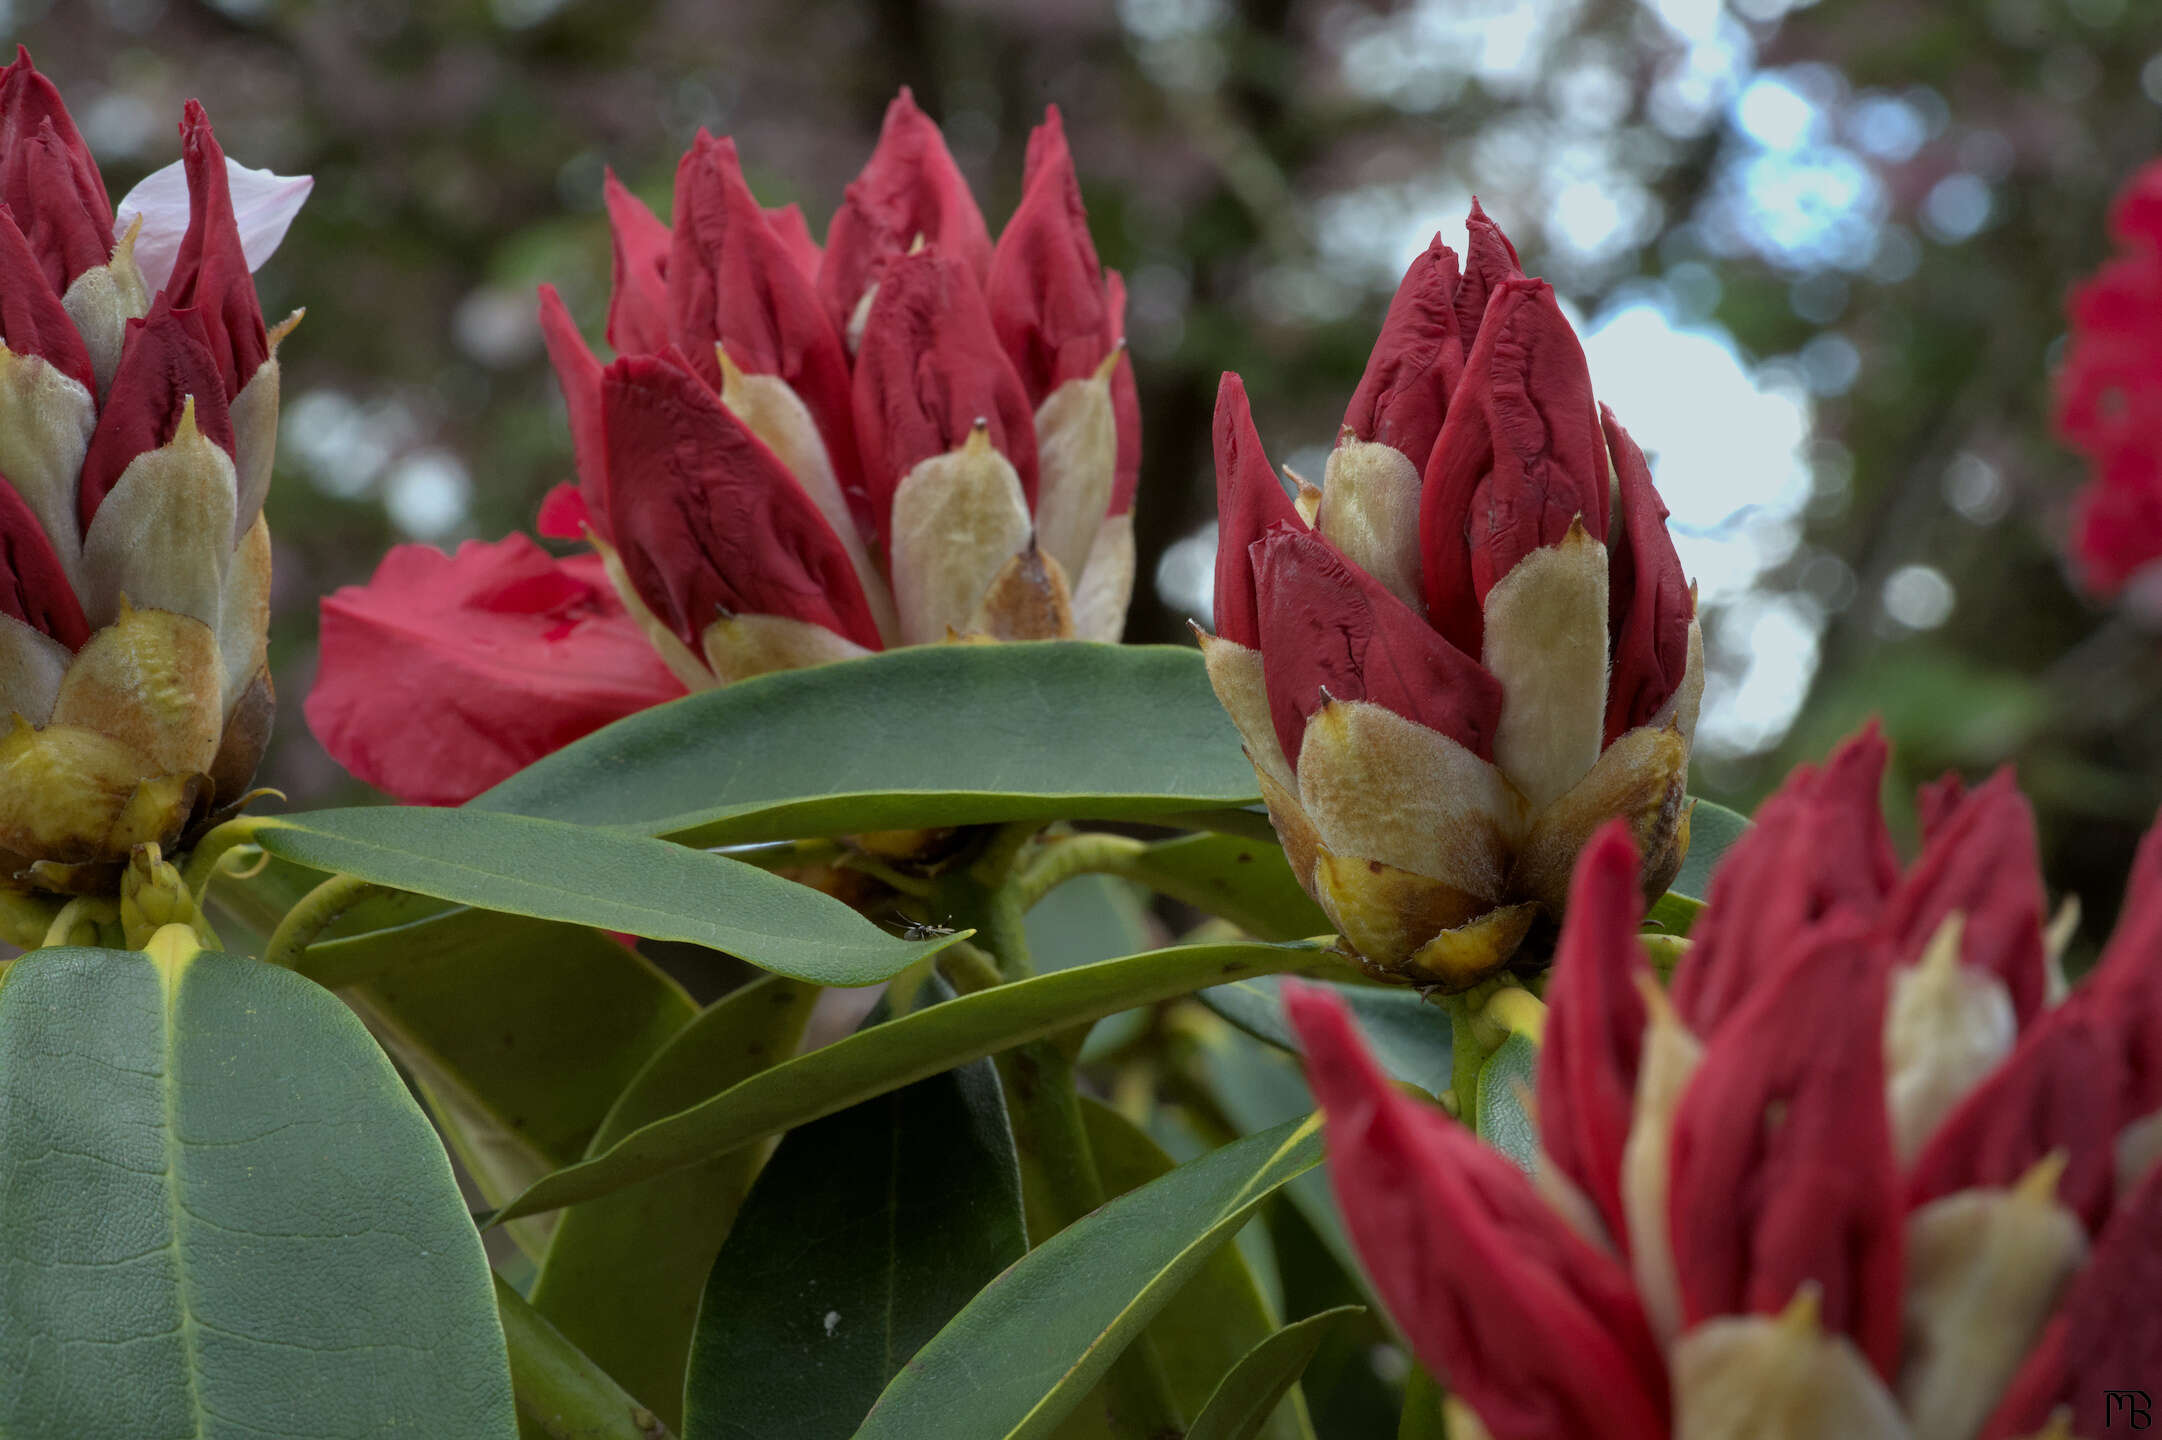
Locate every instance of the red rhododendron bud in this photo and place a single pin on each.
(638, 310)
(910, 190)
(1489, 262)
(537, 651)
(732, 282)
(708, 522)
(1783, 1173)
(1249, 503)
(1649, 603)
(1330, 632)
(1416, 361)
(1818, 854)
(794, 233)
(1046, 288)
(1936, 801)
(49, 178)
(579, 375)
(32, 319)
(929, 369)
(1980, 860)
(211, 275)
(167, 365)
(34, 587)
(1535, 1329)
(1520, 459)
(1595, 1027)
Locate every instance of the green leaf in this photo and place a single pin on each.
(1087, 919)
(866, 1232)
(1219, 1314)
(1032, 1343)
(1423, 1417)
(622, 1275)
(898, 1053)
(562, 1394)
(1713, 829)
(603, 878)
(1508, 1081)
(1246, 881)
(225, 1216)
(1408, 1035)
(923, 736)
(572, 1016)
(1255, 1387)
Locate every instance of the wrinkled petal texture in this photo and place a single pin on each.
(909, 188)
(1415, 363)
(1046, 288)
(929, 369)
(1648, 602)
(1329, 628)
(165, 362)
(211, 273)
(48, 177)
(709, 523)
(32, 319)
(1782, 1168)
(1489, 262)
(446, 674)
(1595, 1025)
(1539, 1332)
(1519, 458)
(1249, 503)
(638, 299)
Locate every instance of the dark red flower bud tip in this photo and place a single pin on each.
(49, 175)
(1249, 502)
(639, 243)
(210, 274)
(1489, 261)
(1595, 1025)
(32, 319)
(1650, 602)
(166, 369)
(1415, 363)
(1046, 287)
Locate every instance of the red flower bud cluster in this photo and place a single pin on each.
(1473, 643)
(1863, 1169)
(136, 436)
(800, 454)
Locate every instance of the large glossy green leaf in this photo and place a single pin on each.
(1256, 1386)
(866, 1232)
(1508, 1084)
(623, 1273)
(562, 1394)
(1408, 1034)
(898, 1053)
(225, 1216)
(1246, 881)
(929, 735)
(604, 878)
(1217, 1316)
(520, 1033)
(1032, 1343)
(1713, 829)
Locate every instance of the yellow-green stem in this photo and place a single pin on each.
(210, 851)
(316, 912)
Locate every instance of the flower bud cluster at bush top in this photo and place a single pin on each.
(798, 455)
(1862, 1169)
(1473, 644)
(2109, 395)
(138, 415)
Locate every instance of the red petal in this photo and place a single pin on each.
(1649, 606)
(1046, 289)
(1981, 861)
(1489, 263)
(1937, 801)
(33, 587)
(210, 274)
(730, 278)
(563, 514)
(1595, 1025)
(910, 188)
(32, 319)
(2127, 984)
(638, 303)
(1250, 501)
(1538, 1332)
(2106, 1338)
(165, 361)
(448, 673)
(580, 376)
(1125, 400)
(1782, 1168)
(1416, 361)
(708, 521)
(1519, 458)
(787, 222)
(929, 368)
(48, 176)
(1327, 625)
(1817, 852)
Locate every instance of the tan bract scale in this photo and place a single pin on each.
(1106, 586)
(1076, 461)
(1368, 508)
(1946, 1027)
(1640, 777)
(2139, 1149)
(1235, 674)
(46, 420)
(1669, 1058)
(1388, 913)
(1546, 642)
(163, 535)
(70, 794)
(958, 518)
(1751, 1378)
(738, 647)
(31, 665)
(1026, 600)
(244, 613)
(149, 680)
(102, 301)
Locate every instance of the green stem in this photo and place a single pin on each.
(317, 911)
(210, 851)
(1465, 1057)
(560, 1392)
(1089, 854)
